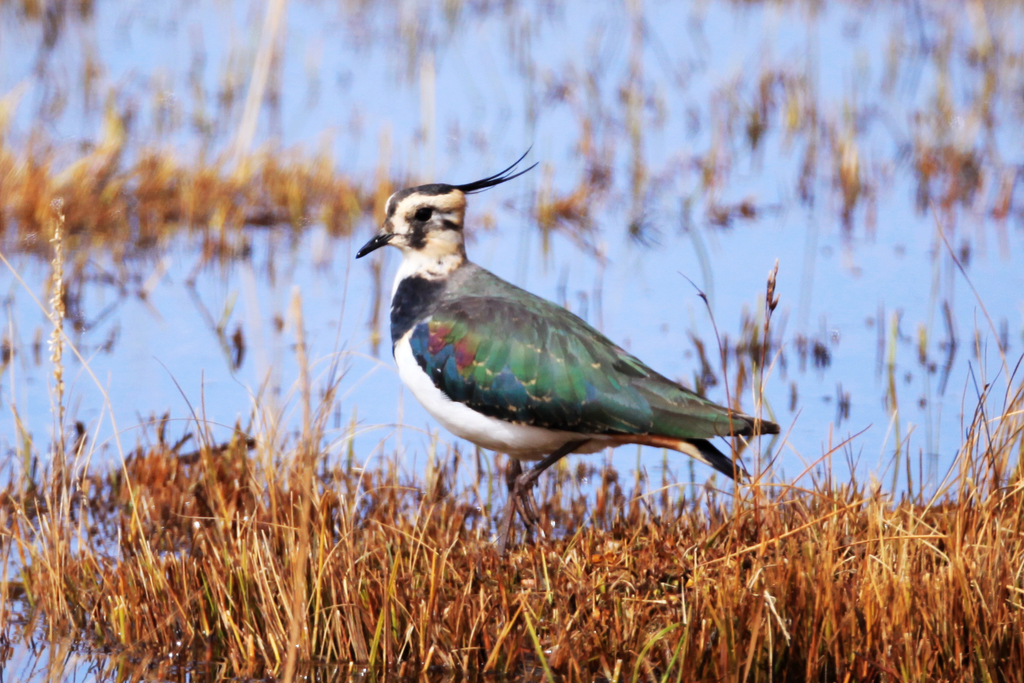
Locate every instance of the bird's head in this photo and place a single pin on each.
(427, 220)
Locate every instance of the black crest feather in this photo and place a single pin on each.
(496, 179)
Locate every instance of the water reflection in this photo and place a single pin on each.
(61, 660)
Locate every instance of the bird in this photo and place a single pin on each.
(517, 374)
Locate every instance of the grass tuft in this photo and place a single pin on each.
(260, 559)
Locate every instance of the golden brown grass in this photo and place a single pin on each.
(240, 554)
(125, 202)
(253, 558)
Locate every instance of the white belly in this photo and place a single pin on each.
(521, 442)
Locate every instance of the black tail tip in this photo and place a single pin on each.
(720, 461)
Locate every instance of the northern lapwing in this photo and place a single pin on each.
(514, 373)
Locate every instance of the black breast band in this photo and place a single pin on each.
(413, 301)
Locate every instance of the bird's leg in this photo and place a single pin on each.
(505, 530)
(515, 468)
(528, 510)
(525, 504)
(520, 492)
(512, 473)
(525, 482)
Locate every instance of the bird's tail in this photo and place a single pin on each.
(705, 451)
(698, 449)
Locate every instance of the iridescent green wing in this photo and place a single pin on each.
(522, 359)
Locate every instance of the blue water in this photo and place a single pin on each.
(355, 84)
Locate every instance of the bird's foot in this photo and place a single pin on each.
(512, 474)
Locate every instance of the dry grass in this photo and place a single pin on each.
(124, 205)
(240, 554)
(261, 557)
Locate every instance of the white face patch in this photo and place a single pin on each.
(427, 228)
(426, 212)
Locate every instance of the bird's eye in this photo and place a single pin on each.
(424, 213)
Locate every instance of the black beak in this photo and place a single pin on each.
(375, 244)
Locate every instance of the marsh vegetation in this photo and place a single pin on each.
(209, 472)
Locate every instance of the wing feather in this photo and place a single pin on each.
(522, 359)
